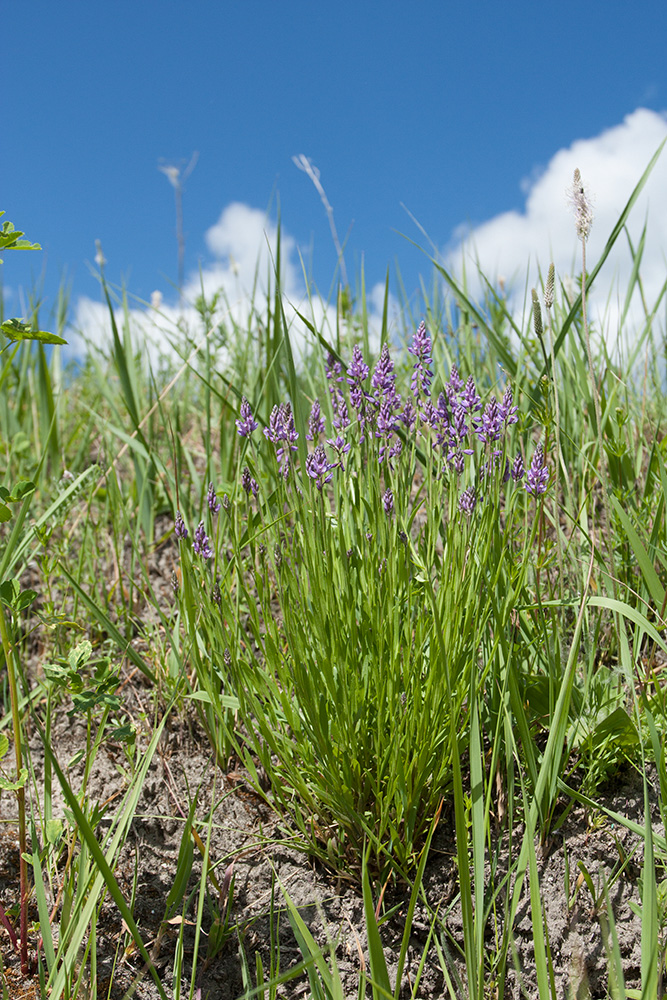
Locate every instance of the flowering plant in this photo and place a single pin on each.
(384, 555)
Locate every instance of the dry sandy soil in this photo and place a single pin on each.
(332, 907)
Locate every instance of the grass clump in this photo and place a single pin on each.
(358, 617)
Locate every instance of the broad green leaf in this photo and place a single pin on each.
(16, 330)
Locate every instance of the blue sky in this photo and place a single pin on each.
(456, 111)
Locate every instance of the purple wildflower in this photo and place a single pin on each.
(201, 543)
(538, 474)
(517, 471)
(430, 414)
(341, 417)
(179, 526)
(459, 422)
(386, 419)
(443, 409)
(383, 377)
(394, 452)
(454, 386)
(319, 468)
(421, 348)
(247, 424)
(315, 422)
(275, 431)
(357, 373)
(490, 426)
(281, 428)
(468, 501)
(457, 461)
(388, 502)
(249, 484)
(508, 411)
(341, 448)
(358, 369)
(333, 369)
(470, 400)
(213, 502)
(408, 416)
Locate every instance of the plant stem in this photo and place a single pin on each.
(8, 649)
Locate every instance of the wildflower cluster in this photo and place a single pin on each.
(456, 423)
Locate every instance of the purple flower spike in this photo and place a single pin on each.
(490, 427)
(408, 416)
(517, 471)
(247, 424)
(358, 369)
(388, 503)
(454, 386)
(319, 468)
(213, 502)
(421, 348)
(201, 543)
(468, 501)
(383, 376)
(341, 417)
(179, 526)
(249, 484)
(315, 422)
(508, 411)
(538, 474)
(281, 428)
(470, 400)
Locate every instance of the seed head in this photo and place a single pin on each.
(537, 316)
(581, 206)
(549, 288)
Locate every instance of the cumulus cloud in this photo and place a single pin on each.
(514, 244)
(243, 246)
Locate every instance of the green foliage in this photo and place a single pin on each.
(10, 239)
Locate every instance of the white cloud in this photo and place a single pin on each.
(243, 245)
(513, 244)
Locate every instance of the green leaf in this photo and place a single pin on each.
(13, 786)
(10, 239)
(25, 599)
(5, 513)
(79, 656)
(226, 700)
(23, 489)
(53, 830)
(4, 745)
(9, 591)
(16, 330)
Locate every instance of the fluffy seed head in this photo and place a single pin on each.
(581, 206)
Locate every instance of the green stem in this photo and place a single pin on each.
(8, 649)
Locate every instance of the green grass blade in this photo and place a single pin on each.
(379, 972)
